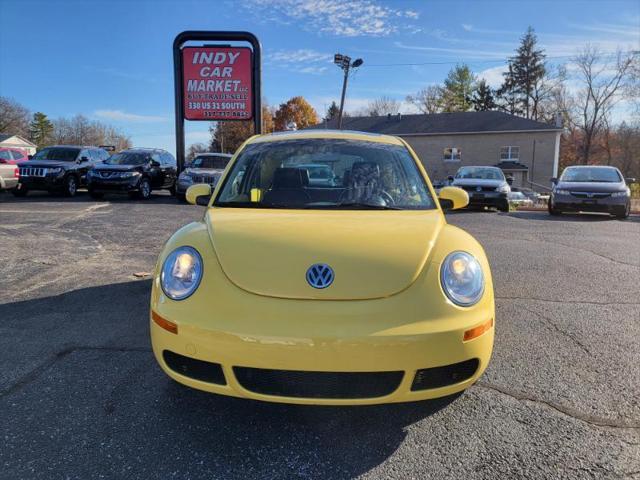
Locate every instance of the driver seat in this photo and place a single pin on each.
(364, 181)
(288, 187)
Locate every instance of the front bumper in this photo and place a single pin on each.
(181, 187)
(487, 199)
(570, 203)
(49, 182)
(120, 185)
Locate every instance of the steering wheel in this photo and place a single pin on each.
(387, 198)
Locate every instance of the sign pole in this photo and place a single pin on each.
(178, 76)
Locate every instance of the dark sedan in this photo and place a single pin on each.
(591, 189)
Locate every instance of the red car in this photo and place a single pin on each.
(12, 156)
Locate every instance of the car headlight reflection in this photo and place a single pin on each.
(462, 279)
(562, 192)
(181, 273)
(620, 194)
(503, 188)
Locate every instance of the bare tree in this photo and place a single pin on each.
(544, 92)
(602, 84)
(427, 100)
(382, 106)
(79, 130)
(195, 149)
(14, 118)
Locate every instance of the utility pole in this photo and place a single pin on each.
(344, 62)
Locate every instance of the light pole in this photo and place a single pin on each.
(344, 62)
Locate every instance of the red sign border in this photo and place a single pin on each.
(251, 86)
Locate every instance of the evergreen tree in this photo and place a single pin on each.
(40, 129)
(458, 88)
(483, 97)
(507, 94)
(332, 111)
(526, 71)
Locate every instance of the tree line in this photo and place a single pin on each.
(15, 119)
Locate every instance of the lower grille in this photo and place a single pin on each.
(443, 376)
(474, 188)
(590, 195)
(305, 384)
(196, 369)
(203, 179)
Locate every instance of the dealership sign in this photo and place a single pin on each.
(217, 83)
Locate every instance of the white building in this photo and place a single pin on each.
(15, 141)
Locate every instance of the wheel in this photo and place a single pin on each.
(553, 210)
(504, 207)
(70, 186)
(96, 195)
(622, 214)
(22, 192)
(144, 189)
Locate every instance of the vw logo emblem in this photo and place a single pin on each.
(478, 189)
(320, 275)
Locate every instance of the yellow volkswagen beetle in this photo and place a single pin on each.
(323, 272)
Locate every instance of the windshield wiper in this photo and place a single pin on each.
(366, 206)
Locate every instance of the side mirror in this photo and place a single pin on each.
(450, 178)
(84, 159)
(553, 180)
(630, 180)
(510, 180)
(453, 198)
(199, 194)
(154, 163)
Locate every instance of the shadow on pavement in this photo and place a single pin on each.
(87, 384)
(571, 217)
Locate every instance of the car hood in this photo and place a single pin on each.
(117, 168)
(204, 171)
(47, 163)
(373, 254)
(477, 182)
(595, 187)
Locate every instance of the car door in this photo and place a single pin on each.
(157, 171)
(171, 170)
(85, 162)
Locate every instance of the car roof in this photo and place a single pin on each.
(327, 134)
(214, 154)
(73, 146)
(143, 149)
(591, 166)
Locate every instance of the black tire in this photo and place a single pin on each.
(20, 193)
(70, 186)
(504, 207)
(622, 214)
(144, 189)
(96, 195)
(552, 210)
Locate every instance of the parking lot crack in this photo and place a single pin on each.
(567, 411)
(549, 322)
(53, 359)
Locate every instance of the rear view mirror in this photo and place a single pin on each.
(84, 159)
(510, 180)
(453, 198)
(553, 180)
(450, 178)
(199, 194)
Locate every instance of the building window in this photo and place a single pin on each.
(509, 154)
(452, 154)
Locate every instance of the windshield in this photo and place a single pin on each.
(217, 162)
(324, 174)
(57, 153)
(480, 173)
(591, 174)
(127, 158)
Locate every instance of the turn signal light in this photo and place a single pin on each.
(164, 323)
(477, 331)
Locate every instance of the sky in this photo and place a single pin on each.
(112, 61)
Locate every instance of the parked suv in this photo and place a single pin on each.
(61, 168)
(486, 186)
(136, 171)
(589, 188)
(205, 168)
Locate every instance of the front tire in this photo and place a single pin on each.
(503, 206)
(553, 210)
(70, 186)
(622, 214)
(144, 189)
(22, 192)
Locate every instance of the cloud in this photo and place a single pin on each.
(344, 18)
(448, 52)
(301, 60)
(467, 27)
(493, 76)
(122, 116)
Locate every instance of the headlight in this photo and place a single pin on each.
(185, 177)
(181, 273)
(55, 171)
(503, 189)
(562, 192)
(128, 174)
(619, 194)
(462, 279)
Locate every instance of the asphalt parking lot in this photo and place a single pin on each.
(82, 397)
